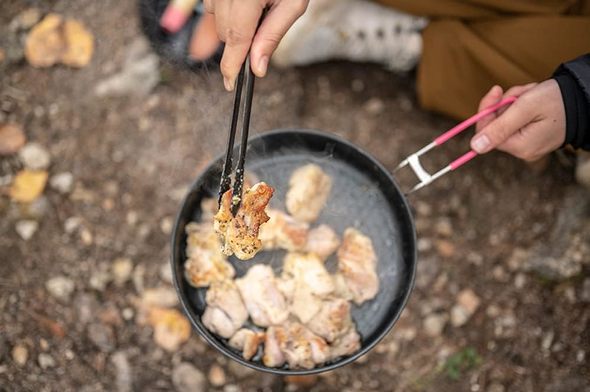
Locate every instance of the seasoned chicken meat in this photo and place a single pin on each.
(333, 319)
(311, 282)
(357, 263)
(225, 312)
(205, 263)
(247, 341)
(347, 344)
(262, 297)
(309, 188)
(239, 234)
(296, 345)
(322, 241)
(283, 232)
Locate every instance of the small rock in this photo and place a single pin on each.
(12, 139)
(26, 229)
(585, 294)
(434, 324)
(20, 354)
(86, 236)
(240, 371)
(187, 378)
(25, 19)
(495, 387)
(138, 278)
(374, 106)
(34, 156)
(231, 388)
(166, 273)
(467, 304)
(583, 169)
(60, 288)
(121, 269)
(171, 328)
(164, 297)
(100, 279)
(127, 314)
(217, 376)
(519, 281)
(72, 224)
(445, 248)
(62, 182)
(46, 361)
(547, 340)
(166, 225)
(124, 376)
(424, 244)
(102, 336)
(444, 227)
(140, 73)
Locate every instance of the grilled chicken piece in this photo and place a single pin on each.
(262, 297)
(347, 344)
(311, 282)
(273, 355)
(225, 312)
(357, 263)
(323, 241)
(239, 234)
(205, 263)
(247, 341)
(333, 320)
(309, 188)
(296, 344)
(341, 289)
(283, 232)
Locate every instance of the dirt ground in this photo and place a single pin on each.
(132, 158)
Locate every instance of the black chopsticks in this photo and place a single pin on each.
(225, 183)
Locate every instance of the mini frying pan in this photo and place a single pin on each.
(364, 195)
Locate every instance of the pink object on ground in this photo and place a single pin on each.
(173, 19)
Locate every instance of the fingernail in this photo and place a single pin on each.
(263, 66)
(480, 144)
(229, 84)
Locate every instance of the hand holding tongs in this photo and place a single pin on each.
(414, 159)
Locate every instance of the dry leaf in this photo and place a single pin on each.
(79, 45)
(28, 185)
(54, 40)
(171, 328)
(45, 44)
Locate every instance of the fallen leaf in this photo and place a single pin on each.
(55, 40)
(28, 185)
(12, 138)
(171, 328)
(79, 45)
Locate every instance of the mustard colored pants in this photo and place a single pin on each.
(471, 45)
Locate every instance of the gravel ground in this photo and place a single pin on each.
(502, 297)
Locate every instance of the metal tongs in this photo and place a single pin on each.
(225, 183)
(414, 159)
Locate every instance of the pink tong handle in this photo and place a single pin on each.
(466, 124)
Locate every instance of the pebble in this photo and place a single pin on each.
(62, 182)
(519, 281)
(100, 279)
(12, 139)
(20, 355)
(445, 248)
(72, 224)
(123, 375)
(127, 314)
(467, 304)
(547, 340)
(585, 294)
(34, 156)
(444, 227)
(187, 378)
(121, 269)
(138, 278)
(25, 19)
(46, 361)
(231, 388)
(583, 169)
(374, 106)
(217, 376)
(166, 225)
(164, 297)
(102, 336)
(166, 273)
(26, 229)
(60, 287)
(434, 324)
(495, 387)
(86, 236)
(424, 244)
(240, 371)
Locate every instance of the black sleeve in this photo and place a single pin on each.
(574, 82)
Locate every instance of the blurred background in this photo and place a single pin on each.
(99, 146)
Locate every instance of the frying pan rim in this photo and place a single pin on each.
(413, 253)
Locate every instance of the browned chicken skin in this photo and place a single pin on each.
(239, 234)
(248, 341)
(296, 345)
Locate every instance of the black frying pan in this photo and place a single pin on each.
(364, 195)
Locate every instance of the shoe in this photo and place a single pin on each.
(174, 47)
(354, 30)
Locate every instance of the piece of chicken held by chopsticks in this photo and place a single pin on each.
(239, 234)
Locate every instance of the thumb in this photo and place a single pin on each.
(500, 129)
(274, 26)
